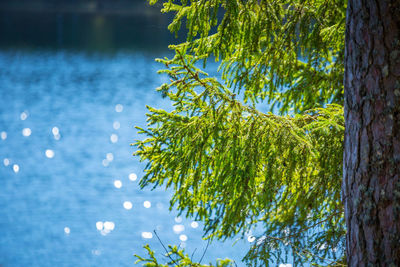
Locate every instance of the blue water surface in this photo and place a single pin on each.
(69, 195)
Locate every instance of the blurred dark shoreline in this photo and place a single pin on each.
(85, 25)
(100, 7)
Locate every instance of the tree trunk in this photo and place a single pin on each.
(371, 171)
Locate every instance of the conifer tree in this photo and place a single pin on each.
(371, 181)
(235, 167)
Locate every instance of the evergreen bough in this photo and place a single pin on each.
(236, 168)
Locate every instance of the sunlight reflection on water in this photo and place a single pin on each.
(16, 168)
(49, 153)
(24, 115)
(72, 167)
(147, 204)
(132, 177)
(26, 132)
(117, 184)
(127, 205)
(116, 125)
(147, 235)
(114, 138)
(67, 230)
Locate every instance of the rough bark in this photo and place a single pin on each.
(371, 179)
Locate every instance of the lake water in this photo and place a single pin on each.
(69, 193)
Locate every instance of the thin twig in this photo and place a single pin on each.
(169, 256)
(302, 250)
(316, 224)
(191, 257)
(204, 253)
(178, 248)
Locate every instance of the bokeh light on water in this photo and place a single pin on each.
(72, 88)
(69, 184)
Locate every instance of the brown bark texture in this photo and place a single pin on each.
(371, 177)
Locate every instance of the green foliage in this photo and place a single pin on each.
(234, 167)
(287, 51)
(177, 257)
